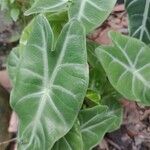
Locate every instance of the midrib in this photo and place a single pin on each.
(83, 2)
(145, 15)
(59, 61)
(38, 115)
(49, 82)
(55, 6)
(131, 70)
(46, 73)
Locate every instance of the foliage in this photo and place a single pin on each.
(139, 19)
(15, 8)
(128, 59)
(66, 95)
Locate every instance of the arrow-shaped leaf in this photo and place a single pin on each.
(94, 124)
(41, 6)
(92, 13)
(50, 85)
(139, 19)
(127, 64)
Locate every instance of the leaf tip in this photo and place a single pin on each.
(26, 13)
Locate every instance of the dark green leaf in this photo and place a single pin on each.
(41, 6)
(115, 108)
(139, 19)
(72, 141)
(95, 122)
(93, 96)
(127, 64)
(92, 13)
(52, 85)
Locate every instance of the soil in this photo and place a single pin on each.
(134, 133)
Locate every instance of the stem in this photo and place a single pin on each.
(9, 141)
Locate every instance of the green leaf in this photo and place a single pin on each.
(98, 77)
(15, 56)
(4, 4)
(12, 1)
(57, 21)
(71, 141)
(13, 63)
(52, 85)
(41, 6)
(127, 64)
(93, 96)
(114, 108)
(95, 122)
(139, 16)
(92, 13)
(14, 14)
(92, 59)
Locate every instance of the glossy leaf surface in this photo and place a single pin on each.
(92, 13)
(127, 65)
(139, 19)
(51, 85)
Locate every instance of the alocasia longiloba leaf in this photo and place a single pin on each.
(139, 19)
(95, 122)
(92, 13)
(52, 84)
(127, 65)
(41, 6)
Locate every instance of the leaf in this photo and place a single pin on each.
(57, 21)
(95, 122)
(93, 96)
(115, 108)
(98, 77)
(139, 19)
(41, 6)
(15, 56)
(4, 4)
(52, 85)
(91, 13)
(127, 66)
(12, 1)
(12, 64)
(71, 141)
(14, 14)
(92, 59)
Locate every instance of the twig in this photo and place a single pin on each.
(9, 141)
(146, 113)
(113, 144)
